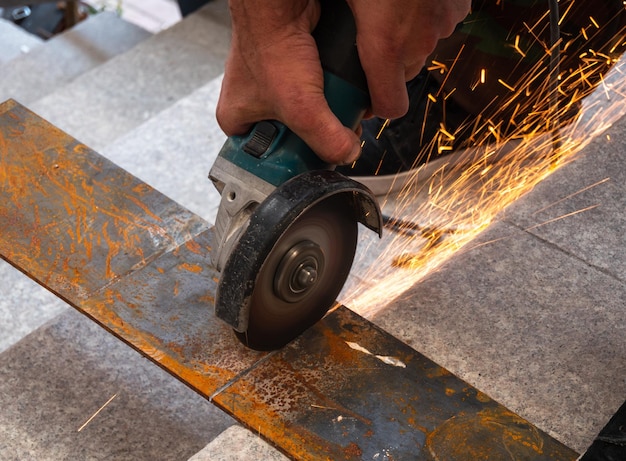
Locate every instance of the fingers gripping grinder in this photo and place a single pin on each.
(286, 228)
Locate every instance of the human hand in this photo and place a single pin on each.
(394, 39)
(273, 72)
(273, 69)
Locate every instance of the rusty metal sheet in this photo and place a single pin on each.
(347, 390)
(137, 263)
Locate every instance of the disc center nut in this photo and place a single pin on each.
(305, 276)
(298, 271)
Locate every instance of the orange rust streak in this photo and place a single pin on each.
(194, 247)
(195, 268)
(143, 206)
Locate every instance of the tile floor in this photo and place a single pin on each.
(152, 15)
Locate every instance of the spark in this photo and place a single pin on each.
(456, 59)
(564, 15)
(438, 66)
(606, 90)
(96, 413)
(382, 128)
(445, 98)
(585, 189)
(443, 130)
(573, 213)
(453, 197)
(517, 47)
(506, 85)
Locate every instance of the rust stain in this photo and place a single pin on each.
(245, 403)
(494, 433)
(194, 247)
(195, 268)
(172, 360)
(353, 450)
(142, 189)
(208, 298)
(143, 207)
(114, 248)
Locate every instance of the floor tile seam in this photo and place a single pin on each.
(569, 254)
(142, 48)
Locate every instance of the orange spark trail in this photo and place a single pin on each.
(452, 198)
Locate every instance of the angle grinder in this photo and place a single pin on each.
(286, 229)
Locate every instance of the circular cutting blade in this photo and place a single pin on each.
(302, 274)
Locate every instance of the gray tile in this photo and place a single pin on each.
(24, 305)
(15, 41)
(121, 94)
(536, 329)
(238, 444)
(66, 56)
(581, 208)
(53, 381)
(175, 150)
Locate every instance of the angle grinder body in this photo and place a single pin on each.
(286, 228)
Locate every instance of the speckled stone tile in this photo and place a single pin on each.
(56, 379)
(535, 328)
(123, 93)
(174, 151)
(238, 444)
(66, 56)
(581, 208)
(15, 41)
(24, 305)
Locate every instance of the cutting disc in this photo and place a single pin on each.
(302, 274)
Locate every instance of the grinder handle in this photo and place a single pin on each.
(271, 151)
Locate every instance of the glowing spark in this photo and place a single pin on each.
(452, 198)
(483, 75)
(537, 39)
(443, 130)
(606, 90)
(445, 98)
(456, 59)
(382, 128)
(438, 66)
(593, 21)
(517, 48)
(506, 85)
(573, 213)
(566, 13)
(583, 31)
(96, 413)
(585, 189)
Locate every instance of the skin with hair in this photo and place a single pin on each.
(273, 69)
